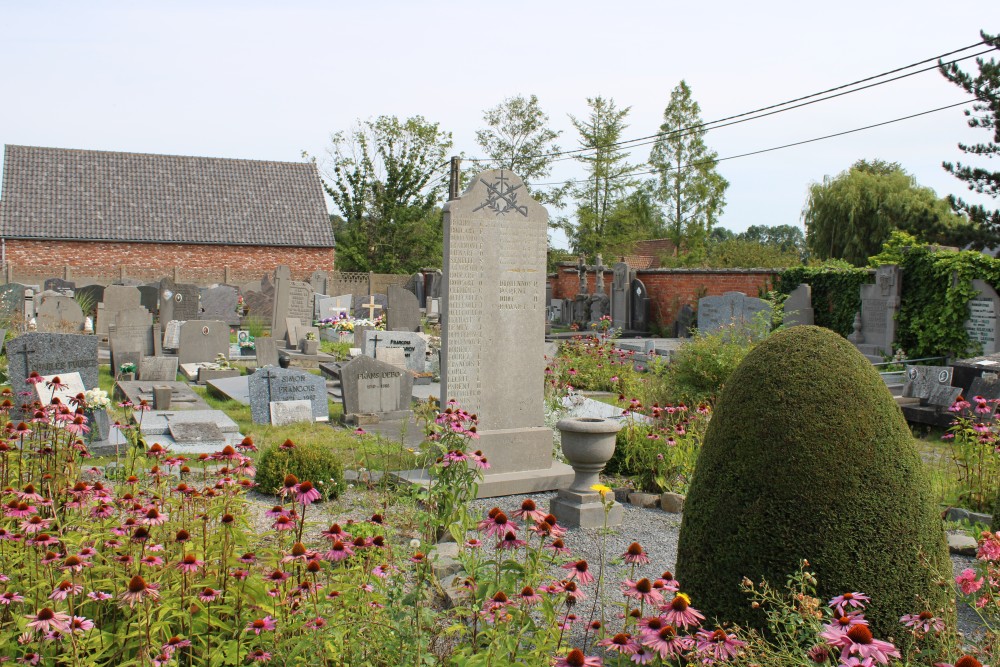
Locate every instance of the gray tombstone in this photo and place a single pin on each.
(921, 380)
(202, 340)
(982, 322)
(266, 349)
(403, 313)
(134, 324)
(879, 307)
(11, 301)
(290, 412)
(330, 307)
(233, 389)
(374, 387)
(149, 298)
(639, 306)
(433, 284)
(116, 297)
(732, 309)
(319, 281)
(50, 354)
(158, 369)
(186, 302)
(292, 298)
(219, 303)
(172, 335)
(415, 285)
(985, 386)
(684, 321)
(376, 344)
(370, 306)
(286, 384)
(66, 287)
(59, 313)
(292, 334)
(798, 306)
(259, 304)
(125, 351)
(494, 328)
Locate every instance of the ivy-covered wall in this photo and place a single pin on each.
(836, 293)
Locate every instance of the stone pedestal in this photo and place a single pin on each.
(575, 508)
(588, 444)
(161, 398)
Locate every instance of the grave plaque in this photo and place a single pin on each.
(733, 309)
(202, 340)
(172, 335)
(798, 306)
(116, 298)
(11, 300)
(158, 369)
(371, 386)
(982, 323)
(292, 325)
(219, 303)
(51, 354)
(412, 344)
(943, 396)
(639, 306)
(199, 432)
(371, 306)
(134, 324)
(290, 412)
(403, 313)
(286, 384)
(920, 380)
(267, 351)
(494, 327)
(73, 386)
(59, 313)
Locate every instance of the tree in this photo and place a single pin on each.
(385, 184)
(850, 216)
(517, 137)
(787, 238)
(985, 114)
(608, 174)
(690, 188)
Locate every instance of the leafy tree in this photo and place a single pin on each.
(608, 174)
(850, 216)
(385, 182)
(787, 238)
(985, 114)
(740, 252)
(517, 137)
(690, 188)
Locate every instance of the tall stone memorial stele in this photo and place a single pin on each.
(494, 325)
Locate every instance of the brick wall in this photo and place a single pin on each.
(669, 289)
(104, 262)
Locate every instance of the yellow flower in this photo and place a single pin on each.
(685, 597)
(601, 489)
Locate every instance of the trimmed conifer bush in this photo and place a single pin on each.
(808, 456)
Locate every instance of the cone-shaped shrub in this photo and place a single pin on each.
(808, 456)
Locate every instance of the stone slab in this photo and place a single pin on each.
(290, 412)
(182, 397)
(403, 312)
(159, 422)
(73, 386)
(232, 388)
(413, 345)
(196, 432)
(158, 369)
(286, 384)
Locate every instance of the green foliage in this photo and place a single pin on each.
(256, 324)
(741, 253)
(850, 216)
(87, 302)
(985, 114)
(836, 292)
(788, 238)
(689, 186)
(702, 366)
(311, 461)
(385, 184)
(808, 456)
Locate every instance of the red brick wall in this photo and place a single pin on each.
(669, 289)
(31, 261)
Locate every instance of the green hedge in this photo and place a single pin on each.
(836, 293)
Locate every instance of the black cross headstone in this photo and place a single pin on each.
(376, 340)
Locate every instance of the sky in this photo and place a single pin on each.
(269, 80)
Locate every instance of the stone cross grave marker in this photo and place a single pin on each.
(879, 306)
(413, 345)
(494, 327)
(982, 322)
(370, 386)
(286, 384)
(330, 307)
(66, 287)
(51, 354)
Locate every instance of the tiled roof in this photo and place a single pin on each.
(67, 194)
(640, 262)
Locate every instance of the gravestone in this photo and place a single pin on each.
(259, 304)
(202, 340)
(172, 335)
(413, 345)
(330, 307)
(266, 349)
(415, 285)
(292, 335)
(11, 300)
(116, 298)
(233, 389)
(798, 306)
(73, 386)
(292, 298)
(125, 351)
(284, 413)
(286, 384)
(134, 324)
(51, 354)
(879, 307)
(149, 298)
(371, 306)
(982, 322)
(494, 326)
(92, 294)
(639, 306)
(59, 313)
(158, 369)
(319, 281)
(67, 287)
(732, 309)
(190, 431)
(620, 295)
(219, 303)
(185, 302)
(986, 386)
(182, 397)
(684, 321)
(370, 386)
(921, 380)
(403, 312)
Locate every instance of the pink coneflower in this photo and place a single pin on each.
(642, 590)
(559, 547)
(923, 622)
(284, 523)
(859, 641)
(298, 553)
(679, 612)
(102, 511)
(259, 655)
(510, 541)
(247, 445)
(317, 623)
(19, 510)
(529, 596)
(530, 511)
(189, 563)
(306, 493)
(666, 642)
(175, 643)
(29, 494)
(153, 517)
(841, 603)
(573, 592)
(576, 658)
(47, 620)
(834, 631)
(266, 624)
(497, 524)
(473, 543)
(99, 596)
(35, 524)
(79, 624)
(78, 426)
(34, 378)
(64, 589)
(718, 645)
(137, 590)
(642, 655)
(9, 597)
(208, 594)
(635, 555)
(580, 571)
(620, 643)
(338, 551)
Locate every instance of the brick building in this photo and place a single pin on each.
(103, 215)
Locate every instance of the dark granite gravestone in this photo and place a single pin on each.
(219, 303)
(433, 284)
(203, 340)
(50, 354)
(149, 298)
(92, 294)
(158, 369)
(373, 387)
(286, 384)
(11, 300)
(986, 386)
(415, 286)
(639, 306)
(186, 302)
(59, 285)
(59, 313)
(267, 351)
(403, 312)
(366, 308)
(920, 380)
(684, 321)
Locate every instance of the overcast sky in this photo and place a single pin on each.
(267, 80)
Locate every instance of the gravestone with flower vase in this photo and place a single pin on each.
(932, 387)
(51, 354)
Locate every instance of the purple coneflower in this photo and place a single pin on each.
(529, 510)
(666, 642)
(306, 493)
(619, 643)
(510, 541)
(635, 555)
(497, 524)
(137, 590)
(841, 603)
(859, 641)
(35, 524)
(718, 645)
(642, 590)
(208, 594)
(576, 658)
(338, 551)
(64, 589)
(679, 612)
(47, 620)
(580, 571)
(189, 563)
(8, 597)
(266, 624)
(923, 622)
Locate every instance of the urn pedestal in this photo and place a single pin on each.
(588, 444)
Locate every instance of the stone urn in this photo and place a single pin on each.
(588, 444)
(284, 361)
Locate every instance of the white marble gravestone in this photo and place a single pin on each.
(982, 322)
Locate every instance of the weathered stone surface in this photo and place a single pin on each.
(203, 340)
(181, 395)
(233, 388)
(962, 545)
(645, 500)
(219, 303)
(51, 354)
(290, 412)
(59, 313)
(403, 313)
(798, 307)
(879, 305)
(983, 310)
(292, 298)
(371, 386)
(286, 384)
(371, 306)
(73, 385)
(179, 301)
(266, 349)
(158, 369)
(116, 298)
(413, 345)
(672, 502)
(921, 380)
(731, 309)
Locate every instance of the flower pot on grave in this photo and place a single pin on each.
(127, 377)
(588, 444)
(310, 347)
(247, 351)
